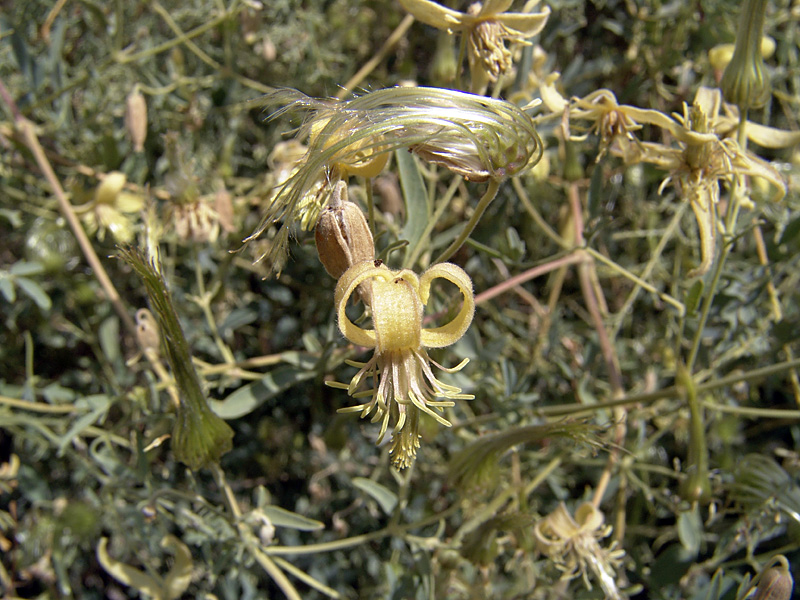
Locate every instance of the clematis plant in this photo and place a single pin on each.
(404, 385)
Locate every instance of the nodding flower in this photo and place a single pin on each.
(476, 137)
(486, 26)
(403, 383)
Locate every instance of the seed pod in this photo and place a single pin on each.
(136, 119)
(776, 584)
(343, 236)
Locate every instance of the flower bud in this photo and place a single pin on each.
(776, 584)
(343, 236)
(744, 82)
(136, 119)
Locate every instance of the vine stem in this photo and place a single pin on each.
(485, 201)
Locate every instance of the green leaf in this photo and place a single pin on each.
(280, 517)
(7, 287)
(35, 292)
(12, 216)
(415, 194)
(100, 404)
(385, 497)
(24, 268)
(693, 297)
(690, 530)
(248, 398)
(109, 338)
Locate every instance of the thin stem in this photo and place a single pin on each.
(674, 392)
(641, 284)
(640, 280)
(509, 284)
(40, 407)
(777, 312)
(536, 215)
(443, 204)
(488, 196)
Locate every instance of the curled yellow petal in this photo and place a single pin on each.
(703, 198)
(527, 24)
(439, 337)
(433, 13)
(551, 97)
(347, 284)
(769, 137)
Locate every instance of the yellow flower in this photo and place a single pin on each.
(404, 385)
(616, 123)
(112, 209)
(573, 545)
(487, 27)
(701, 159)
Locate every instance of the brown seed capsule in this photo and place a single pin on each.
(136, 119)
(776, 584)
(343, 236)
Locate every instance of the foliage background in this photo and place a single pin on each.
(88, 467)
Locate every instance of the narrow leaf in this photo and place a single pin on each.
(385, 497)
(280, 517)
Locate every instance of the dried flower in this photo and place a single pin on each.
(404, 385)
(487, 27)
(479, 138)
(573, 545)
(195, 221)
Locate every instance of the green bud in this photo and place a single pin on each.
(199, 436)
(744, 82)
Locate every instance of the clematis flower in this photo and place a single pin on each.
(701, 159)
(486, 27)
(403, 383)
(573, 544)
(476, 137)
(616, 123)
